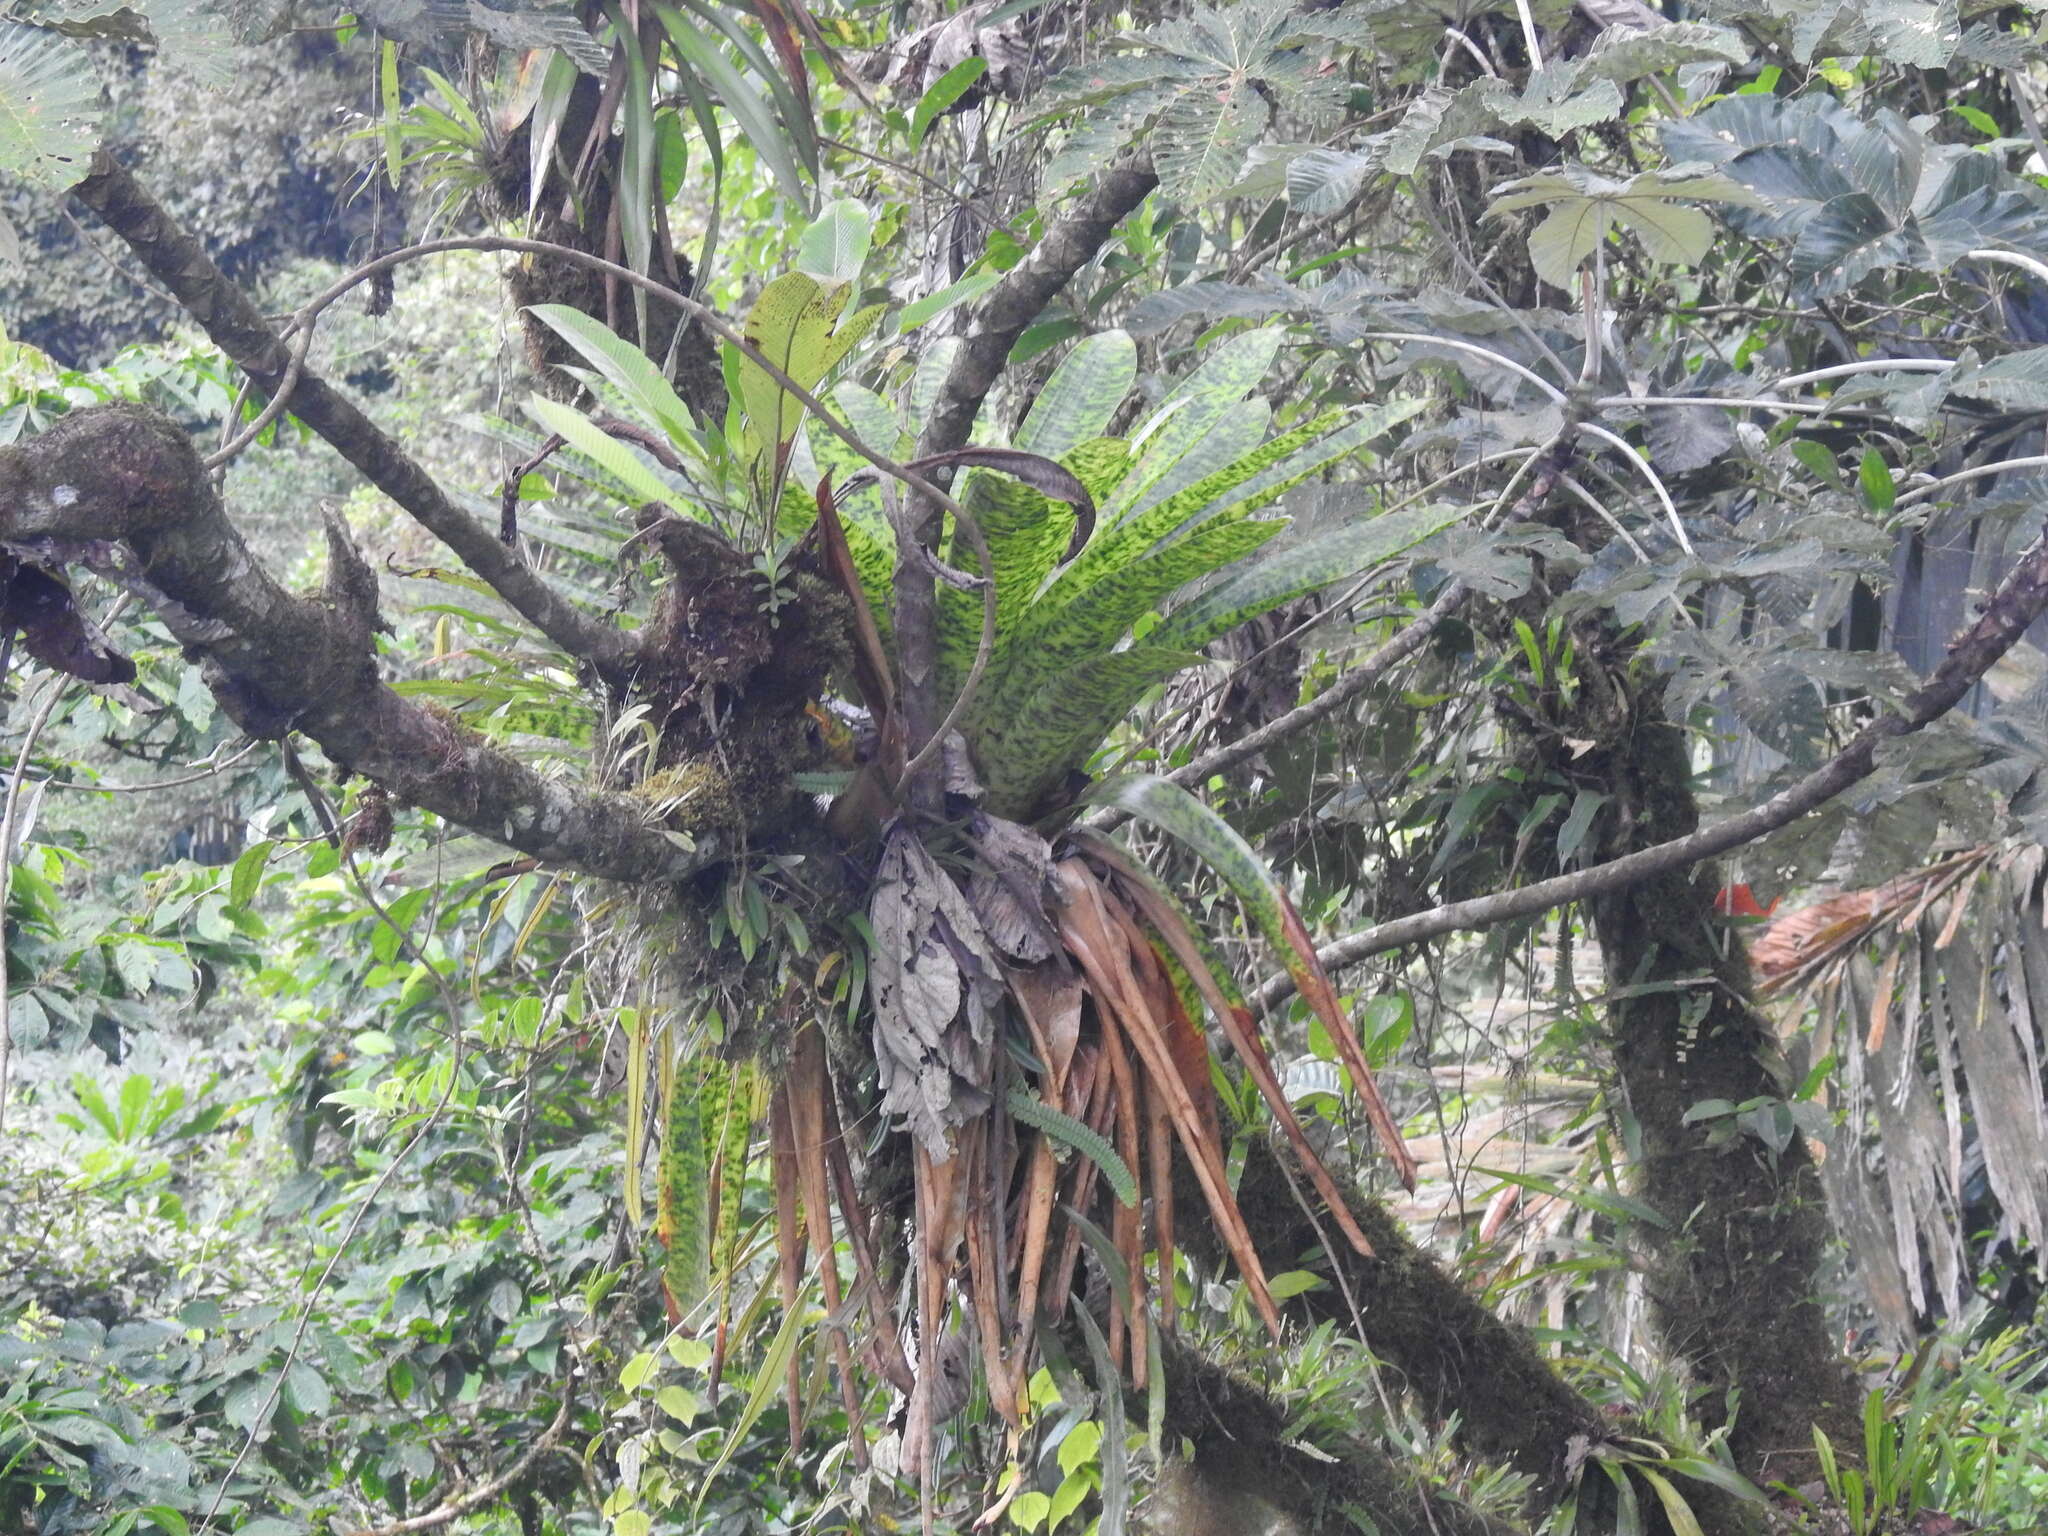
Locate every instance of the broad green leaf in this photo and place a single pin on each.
(796, 325)
(763, 132)
(942, 93)
(1081, 398)
(247, 877)
(611, 455)
(1676, 1509)
(624, 366)
(51, 113)
(932, 305)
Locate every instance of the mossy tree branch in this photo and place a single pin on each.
(122, 489)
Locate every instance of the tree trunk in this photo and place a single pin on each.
(1735, 1271)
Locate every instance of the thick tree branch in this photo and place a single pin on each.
(1249, 1472)
(120, 487)
(2021, 599)
(178, 261)
(1014, 303)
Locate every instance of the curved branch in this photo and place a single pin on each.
(178, 261)
(2020, 599)
(453, 1509)
(116, 479)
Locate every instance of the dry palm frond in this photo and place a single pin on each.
(1931, 993)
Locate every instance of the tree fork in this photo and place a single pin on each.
(176, 259)
(126, 475)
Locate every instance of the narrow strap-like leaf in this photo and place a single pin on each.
(1173, 810)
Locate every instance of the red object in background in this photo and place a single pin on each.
(1740, 901)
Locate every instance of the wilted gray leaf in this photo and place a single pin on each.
(1007, 890)
(930, 956)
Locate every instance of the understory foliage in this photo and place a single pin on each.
(1053, 814)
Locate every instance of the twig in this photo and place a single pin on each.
(204, 772)
(454, 1509)
(1922, 492)
(508, 497)
(280, 397)
(2013, 259)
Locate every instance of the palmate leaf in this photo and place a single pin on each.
(1211, 82)
(50, 107)
(1585, 207)
(1201, 141)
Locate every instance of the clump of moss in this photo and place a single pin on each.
(695, 795)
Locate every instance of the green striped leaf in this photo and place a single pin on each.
(1236, 435)
(683, 1194)
(1053, 637)
(1276, 479)
(1065, 1128)
(1337, 554)
(1027, 534)
(1231, 371)
(1082, 396)
(1135, 536)
(1061, 726)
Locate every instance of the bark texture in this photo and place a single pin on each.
(121, 489)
